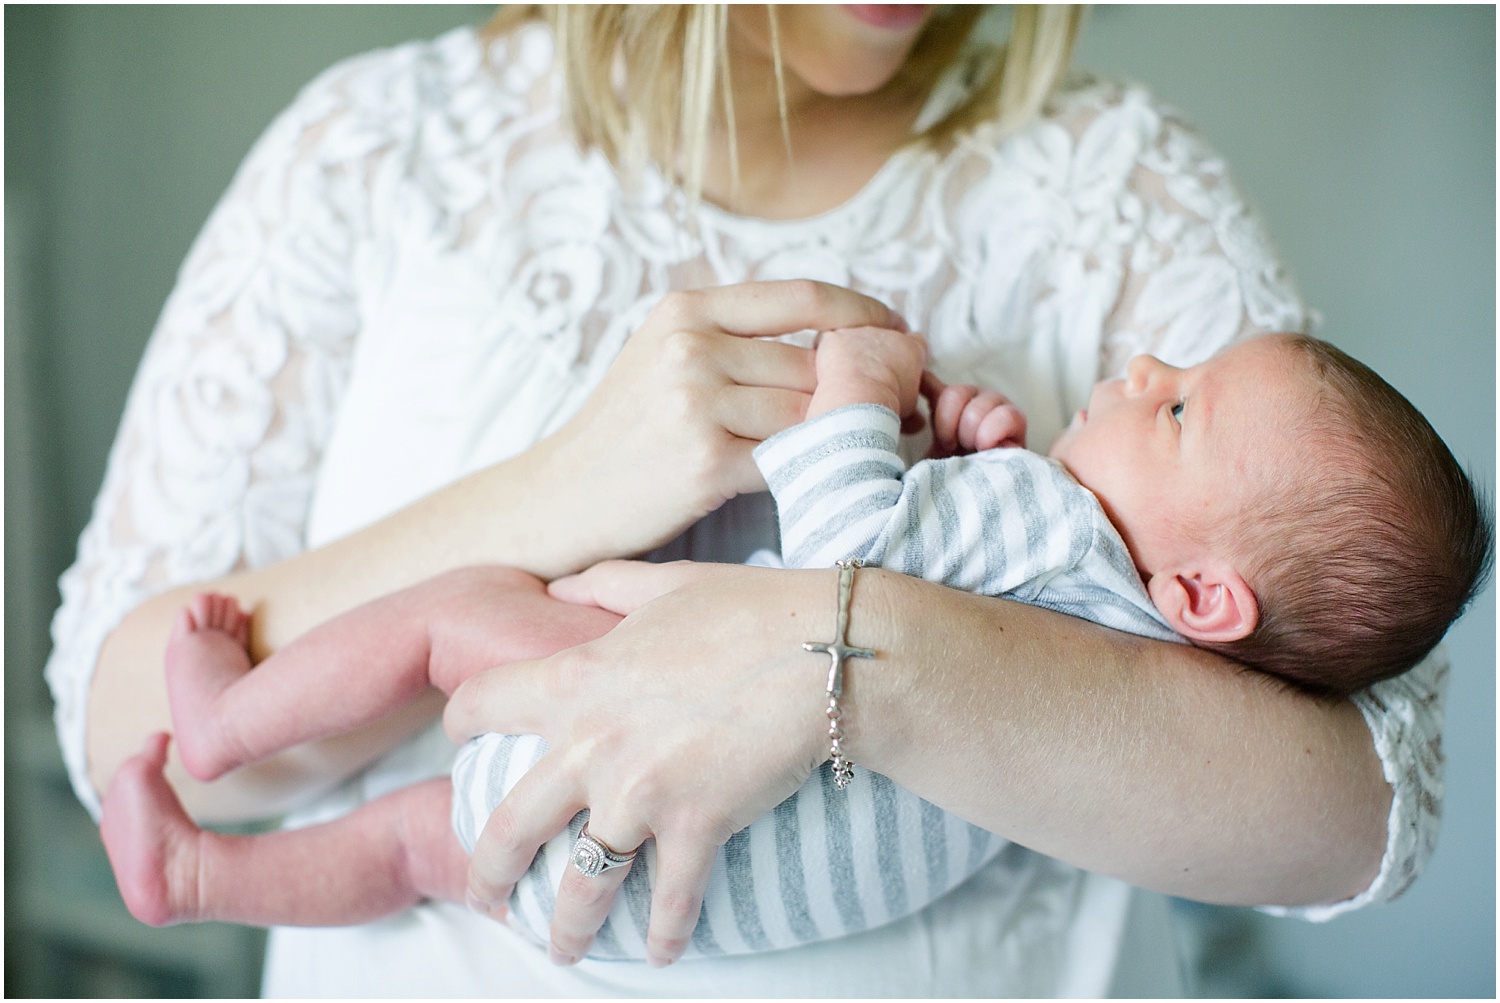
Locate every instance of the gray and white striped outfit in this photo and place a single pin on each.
(825, 863)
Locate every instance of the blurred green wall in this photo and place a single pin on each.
(1364, 135)
(123, 126)
(1366, 138)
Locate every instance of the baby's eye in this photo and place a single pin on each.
(1177, 409)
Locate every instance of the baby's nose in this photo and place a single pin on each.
(1142, 371)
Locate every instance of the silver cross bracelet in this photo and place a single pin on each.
(838, 652)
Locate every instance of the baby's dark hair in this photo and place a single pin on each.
(1360, 567)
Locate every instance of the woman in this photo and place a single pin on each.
(415, 277)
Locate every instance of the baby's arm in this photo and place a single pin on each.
(988, 523)
(842, 489)
(871, 365)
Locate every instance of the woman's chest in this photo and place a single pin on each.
(485, 324)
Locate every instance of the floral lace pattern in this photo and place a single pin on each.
(416, 255)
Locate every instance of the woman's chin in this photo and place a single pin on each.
(852, 79)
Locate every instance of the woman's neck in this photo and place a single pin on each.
(837, 144)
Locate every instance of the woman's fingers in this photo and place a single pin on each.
(758, 309)
(624, 586)
(509, 699)
(757, 413)
(758, 363)
(539, 806)
(651, 735)
(583, 900)
(666, 436)
(683, 867)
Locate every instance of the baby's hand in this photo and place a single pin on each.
(967, 419)
(868, 365)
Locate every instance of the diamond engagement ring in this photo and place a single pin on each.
(593, 858)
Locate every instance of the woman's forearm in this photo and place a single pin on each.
(1160, 764)
(1154, 762)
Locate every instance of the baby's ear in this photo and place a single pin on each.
(1210, 603)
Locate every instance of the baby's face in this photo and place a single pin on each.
(1171, 452)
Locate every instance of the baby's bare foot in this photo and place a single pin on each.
(207, 652)
(153, 846)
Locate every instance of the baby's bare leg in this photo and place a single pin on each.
(384, 857)
(355, 668)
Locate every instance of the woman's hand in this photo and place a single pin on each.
(689, 747)
(666, 438)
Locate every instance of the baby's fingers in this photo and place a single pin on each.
(947, 410)
(1003, 425)
(967, 419)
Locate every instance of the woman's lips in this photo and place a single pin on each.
(895, 16)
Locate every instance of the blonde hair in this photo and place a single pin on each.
(675, 61)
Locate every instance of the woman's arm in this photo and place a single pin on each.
(214, 467)
(1156, 763)
(664, 440)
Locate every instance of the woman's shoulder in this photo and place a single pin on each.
(1100, 125)
(444, 69)
(465, 81)
(1083, 97)
(1113, 153)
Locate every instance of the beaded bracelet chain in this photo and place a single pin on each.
(838, 652)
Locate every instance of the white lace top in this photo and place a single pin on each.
(415, 274)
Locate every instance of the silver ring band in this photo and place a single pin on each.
(592, 858)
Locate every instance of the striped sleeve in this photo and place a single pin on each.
(998, 522)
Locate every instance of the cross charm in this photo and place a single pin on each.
(837, 650)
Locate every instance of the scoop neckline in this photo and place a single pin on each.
(876, 184)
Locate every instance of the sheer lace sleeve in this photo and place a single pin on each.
(1199, 270)
(1405, 715)
(214, 462)
(1202, 273)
